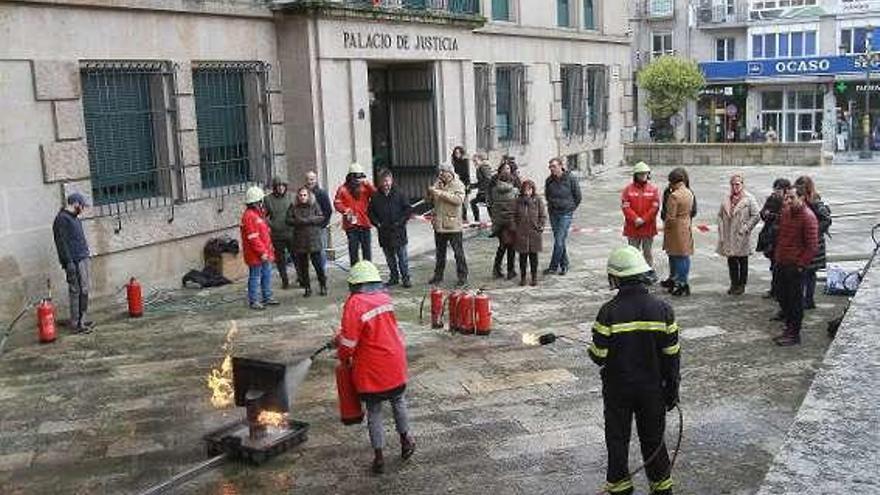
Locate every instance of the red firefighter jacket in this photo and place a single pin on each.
(798, 238)
(640, 201)
(346, 201)
(255, 238)
(372, 340)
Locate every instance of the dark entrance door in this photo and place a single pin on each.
(404, 124)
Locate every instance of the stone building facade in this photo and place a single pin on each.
(163, 112)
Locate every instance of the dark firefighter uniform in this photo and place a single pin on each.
(635, 341)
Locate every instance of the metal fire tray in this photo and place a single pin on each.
(234, 440)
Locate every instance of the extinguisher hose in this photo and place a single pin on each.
(657, 451)
(6, 333)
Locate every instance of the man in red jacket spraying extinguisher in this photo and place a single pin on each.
(370, 338)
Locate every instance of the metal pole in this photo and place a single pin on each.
(185, 476)
(866, 119)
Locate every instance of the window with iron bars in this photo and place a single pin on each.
(131, 137)
(573, 99)
(232, 125)
(483, 104)
(511, 104)
(597, 97)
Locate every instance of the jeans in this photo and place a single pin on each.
(398, 262)
(359, 238)
(441, 240)
(374, 418)
(644, 244)
(560, 223)
(679, 269)
(791, 296)
(809, 284)
(738, 269)
(78, 290)
(325, 236)
(260, 277)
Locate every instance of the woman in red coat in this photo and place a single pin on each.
(372, 343)
(257, 249)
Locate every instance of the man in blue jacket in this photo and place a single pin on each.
(73, 254)
(563, 196)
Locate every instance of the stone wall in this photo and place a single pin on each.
(731, 154)
(833, 446)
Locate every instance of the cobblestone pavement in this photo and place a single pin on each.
(126, 407)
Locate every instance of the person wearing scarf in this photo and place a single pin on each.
(737, 217)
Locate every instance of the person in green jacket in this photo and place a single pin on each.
(277, 204)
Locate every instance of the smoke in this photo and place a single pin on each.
(294, 377)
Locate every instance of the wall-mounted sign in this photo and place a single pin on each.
(358, 40)
(783, 67)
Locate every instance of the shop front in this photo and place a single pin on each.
(721, 114)
(853, 98)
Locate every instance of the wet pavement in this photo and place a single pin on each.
(126, 407)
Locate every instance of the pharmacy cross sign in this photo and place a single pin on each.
(840, 87)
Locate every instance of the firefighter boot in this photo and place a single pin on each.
(378, 462)
(407, 446)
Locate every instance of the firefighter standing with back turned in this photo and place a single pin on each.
(635, 341)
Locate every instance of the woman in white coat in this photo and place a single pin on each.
(737, 217)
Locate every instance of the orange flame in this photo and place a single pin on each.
(272, 418)
(220, 379)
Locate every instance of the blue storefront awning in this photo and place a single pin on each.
(784, 67)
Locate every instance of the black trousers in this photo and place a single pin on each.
(499, 256)
(532, 258)
(622, 402)
(302, 263)
(441, 241)
(791, 296)
(475, 208)
(738, 268)
(283, 249)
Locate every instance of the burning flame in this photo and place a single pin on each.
(220, 379)
(272, 418)
(530, 339)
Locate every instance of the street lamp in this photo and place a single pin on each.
(866, 60)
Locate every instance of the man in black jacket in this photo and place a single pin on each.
(389, 211)
(326, 206)
(73, 254)
(635, 341)
(563, 195)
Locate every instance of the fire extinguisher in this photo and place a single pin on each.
(350, 410)
(437, 307)
(135, 298)
(482, 314)
(466, 312)
(46, 317)
(452, 309)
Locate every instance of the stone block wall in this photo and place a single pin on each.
(728, 154)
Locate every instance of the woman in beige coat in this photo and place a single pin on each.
(678, 240)
(738, 215)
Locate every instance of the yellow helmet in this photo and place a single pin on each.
(253, 195)
(363, 272)
(627, 261)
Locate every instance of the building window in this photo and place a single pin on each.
(853, 40)
(660, 8)
(511, 104)
(597, 97)
(589, 15)
(780, 4)
(573, 99)
(131, 154)
(563, 13)
(725, 49)
(483, 104)
(501, 10)
(791, 44)
(230, 119)
(661, 44)
(796, 116)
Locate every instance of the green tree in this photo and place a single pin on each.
(670, 81)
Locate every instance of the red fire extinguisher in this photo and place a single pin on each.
(46, 317)
(452, 309)
(482, 314)
(437, 307)
(135, 298)
(350, 410)
(466, 312)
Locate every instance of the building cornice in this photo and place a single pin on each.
(227, 8)
(552, 33)
(338, 10)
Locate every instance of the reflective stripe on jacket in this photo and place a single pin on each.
(255, 239)
(371, 338)
(635, 339)
(640, 200)
(346, 201)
